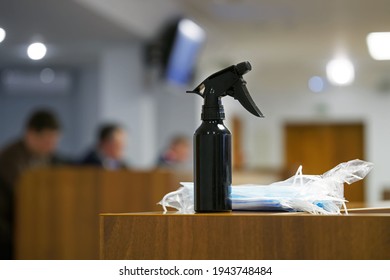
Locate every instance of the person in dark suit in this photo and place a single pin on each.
(109, 151)
(35, 149)
(177, 154)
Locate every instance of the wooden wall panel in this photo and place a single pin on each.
(57, 209)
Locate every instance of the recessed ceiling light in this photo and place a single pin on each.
(47, 75)
(379, 45)
(316, 84)
(340, 71)
(36, 51)
(2, 34)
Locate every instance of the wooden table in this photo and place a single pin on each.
(363, 234)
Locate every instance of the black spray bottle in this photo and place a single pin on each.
(212, 140)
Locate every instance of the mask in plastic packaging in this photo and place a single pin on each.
(316, 194)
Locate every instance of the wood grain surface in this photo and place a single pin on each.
(244, 236)
(57, 209)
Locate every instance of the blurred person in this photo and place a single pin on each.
(36, 148)
(177, 154)
(109, 151)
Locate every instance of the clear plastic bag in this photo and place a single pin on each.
(316, 194)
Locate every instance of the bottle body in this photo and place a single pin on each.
(212, 167)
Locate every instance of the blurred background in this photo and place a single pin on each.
(321, 76)
(109, 60)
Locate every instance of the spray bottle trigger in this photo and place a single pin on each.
(242, 95)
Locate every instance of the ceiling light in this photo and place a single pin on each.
(191, 30)
(47, 75)
(379, 45)
(340, 71)
(2, 34)
(36, 51)
(316, 84)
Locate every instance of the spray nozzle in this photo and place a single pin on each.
(243, 68)
(228, 81)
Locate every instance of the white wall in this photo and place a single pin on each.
(86, 104)
(125, 100)
(177, 113)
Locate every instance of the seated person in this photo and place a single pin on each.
(35, 149)
(177, 154)
(109, 151)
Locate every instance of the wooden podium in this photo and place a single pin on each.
(363, 234)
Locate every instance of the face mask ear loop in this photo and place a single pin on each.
(298, 174)
(163, 201)
(345, 208)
